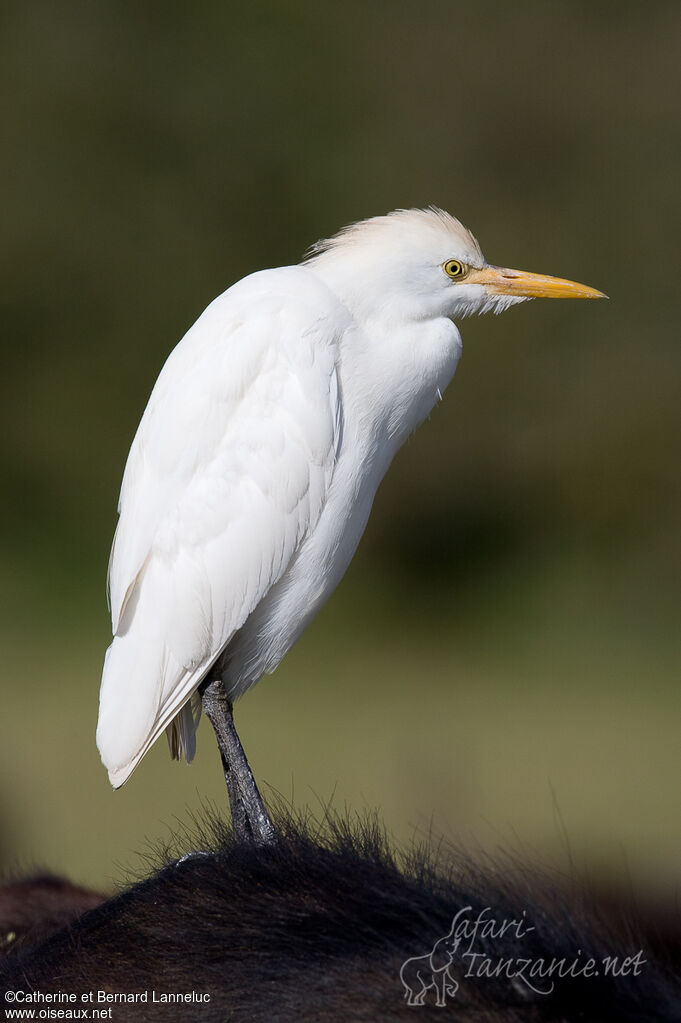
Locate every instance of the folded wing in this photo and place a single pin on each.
(228, 472)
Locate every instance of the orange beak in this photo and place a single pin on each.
(499, 281)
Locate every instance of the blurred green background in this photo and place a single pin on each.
(501, 662)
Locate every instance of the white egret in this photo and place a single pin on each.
(253, 471)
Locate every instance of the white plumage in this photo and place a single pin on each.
(251, 476)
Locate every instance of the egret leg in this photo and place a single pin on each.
(250, 819)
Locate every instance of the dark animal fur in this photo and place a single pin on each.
(317, 928)
(32, 909)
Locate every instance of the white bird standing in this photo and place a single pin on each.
(252, 474)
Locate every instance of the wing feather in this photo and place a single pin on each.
(228, 471)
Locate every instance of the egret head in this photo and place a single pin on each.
(417, 264)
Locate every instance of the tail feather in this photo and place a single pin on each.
(181, 732)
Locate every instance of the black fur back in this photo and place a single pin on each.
(320, 926)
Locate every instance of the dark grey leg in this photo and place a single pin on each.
(250, 819)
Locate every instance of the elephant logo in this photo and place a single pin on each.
(421, 973)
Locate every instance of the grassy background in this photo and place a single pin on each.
(502, 659)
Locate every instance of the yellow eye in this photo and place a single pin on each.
(453, 268)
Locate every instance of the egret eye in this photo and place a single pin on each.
(453, 268)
